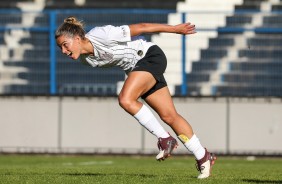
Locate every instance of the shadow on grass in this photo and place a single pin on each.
(112, 174)
(262, 181)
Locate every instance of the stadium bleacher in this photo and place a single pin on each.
(277, 7)
(254, 5)
(152, 4)
(2, 41)
(234, 63)
(72, 78)
(255, 70)
(9, 4)
(4, 18)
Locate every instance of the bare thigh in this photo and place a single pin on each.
(136, 84)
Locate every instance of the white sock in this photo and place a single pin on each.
(147, 119)
(194, 146)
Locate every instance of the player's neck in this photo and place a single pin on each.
(87, 47)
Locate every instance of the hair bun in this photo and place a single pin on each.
(70, 20)
(74, 21)
(71, 26)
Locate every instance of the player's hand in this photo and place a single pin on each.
(185, 28)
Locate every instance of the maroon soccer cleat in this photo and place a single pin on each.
(166, 146)
(205, 164)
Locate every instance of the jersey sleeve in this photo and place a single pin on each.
(120, 34)
(110, 34)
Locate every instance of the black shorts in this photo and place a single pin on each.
(154, 62)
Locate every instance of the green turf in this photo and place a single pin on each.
(133, 170)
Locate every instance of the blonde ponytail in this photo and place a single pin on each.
(71, 27)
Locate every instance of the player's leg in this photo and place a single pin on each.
(136, 84)
(167, 112)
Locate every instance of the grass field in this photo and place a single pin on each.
(133, 170)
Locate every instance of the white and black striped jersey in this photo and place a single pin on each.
(113, 47)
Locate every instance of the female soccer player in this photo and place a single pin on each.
(144, 63)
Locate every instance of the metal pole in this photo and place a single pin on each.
(60, 124)
(52, 28)
(227, 125)
(184, 80)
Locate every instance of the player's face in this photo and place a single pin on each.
(69, 46)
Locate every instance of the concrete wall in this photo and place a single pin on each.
(99, 125)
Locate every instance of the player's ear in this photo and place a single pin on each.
(77, 38)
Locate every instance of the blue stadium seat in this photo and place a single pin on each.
(6, 18)
(31, 65)
(39, 39)
(251, 91)
(270, 67)
(153, 4)
(201, 66)
(253, 5)
(221, 41)
(238, 20)
(28, 89)
(261, 53)
(277, 7)
(11, 4)
(213, 53)
(272, 21)
(88, 89)
(192, 90)
(265, 41)
(2, 41)
(253, 79)
(196, 77)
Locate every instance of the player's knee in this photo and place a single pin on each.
(124, 102)
(169, 118)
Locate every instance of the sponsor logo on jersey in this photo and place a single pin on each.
(123, 31)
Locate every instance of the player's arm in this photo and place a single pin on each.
(137, 29)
